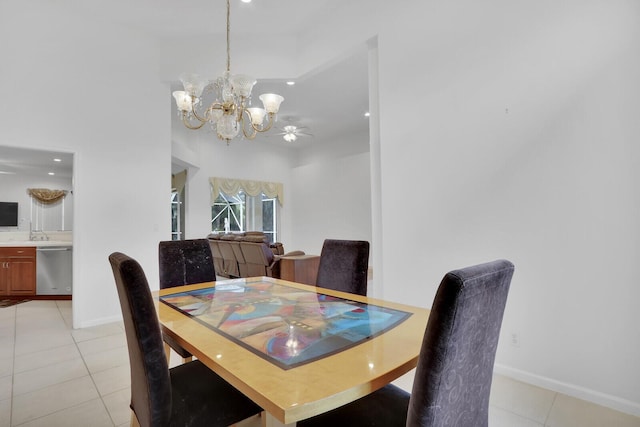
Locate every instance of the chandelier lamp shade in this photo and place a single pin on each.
(231, 113)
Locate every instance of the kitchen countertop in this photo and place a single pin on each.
(36, 243)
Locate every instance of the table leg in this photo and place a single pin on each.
(269, 420)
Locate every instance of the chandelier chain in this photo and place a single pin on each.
(228, 32)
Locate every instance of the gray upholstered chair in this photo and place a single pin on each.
(259, 259)
(455, 368)
(184, 262)
(225, 244)
(187, 395)
(218, 261)
(343, 266)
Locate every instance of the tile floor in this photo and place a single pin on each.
(52, 375)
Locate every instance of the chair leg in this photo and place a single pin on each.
(134, 420)
(167, 352)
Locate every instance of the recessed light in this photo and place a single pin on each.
(51, 173)
(57, 160)
(367, 114)
(246, 1)
(291, 82)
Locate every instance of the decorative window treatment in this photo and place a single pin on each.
(178, 180)
(231, 187)
(46, 196)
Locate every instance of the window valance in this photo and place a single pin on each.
(45, 195)
(230, 187)
(178, 181)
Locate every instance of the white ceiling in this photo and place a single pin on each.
(171, 18)
(21, 161)
(330, 102)
(327, 103)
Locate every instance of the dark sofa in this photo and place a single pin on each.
(246, 254)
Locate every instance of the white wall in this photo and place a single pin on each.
(331, 194)
(69, 81)
(513, 128)
(13, 188)
(206, 156)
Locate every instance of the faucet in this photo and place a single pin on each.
(32, 235)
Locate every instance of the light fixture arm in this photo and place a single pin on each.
(187, 123)
(202, 120)
(254, 129)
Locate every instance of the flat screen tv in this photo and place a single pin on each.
(8, 214)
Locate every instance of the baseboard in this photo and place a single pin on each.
(572, 390)
(98, 322)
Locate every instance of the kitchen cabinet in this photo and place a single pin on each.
(18, 271)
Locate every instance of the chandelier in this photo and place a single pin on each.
(231, 111)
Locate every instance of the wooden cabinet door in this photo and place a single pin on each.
(22, 276)
(4, 276)
(18, 271)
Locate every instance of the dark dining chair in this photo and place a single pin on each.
(455, 368)
(344, 266)
(184, 262)
(187, 395)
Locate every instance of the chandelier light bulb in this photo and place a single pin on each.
(257, 115)
(242, 85)
(183, 100)
(271, 102)
(193, 84)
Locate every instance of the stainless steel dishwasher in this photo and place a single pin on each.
(54, 270)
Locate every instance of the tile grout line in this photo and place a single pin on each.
(13, 366)
(546, 419)
(89, 374)
(512, 412)
(13, 374)
(93, 381)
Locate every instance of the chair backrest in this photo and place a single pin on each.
(150, 381)
(229, 259)
(218, 261)
(454, 372)
(343, 266)
(258, 257)
(184, 262)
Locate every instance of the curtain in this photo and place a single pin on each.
(178, 180)
(230, 187)
(46, 196)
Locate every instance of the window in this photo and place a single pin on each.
(269, 217)
(242, 212)
(239, 205)
(178, 193)
(177, 215)
(228, 213)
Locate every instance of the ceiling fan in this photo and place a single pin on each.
(291, 132)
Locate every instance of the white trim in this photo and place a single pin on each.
(98, 322)
(610, 401)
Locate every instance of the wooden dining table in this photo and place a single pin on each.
(294, 349)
